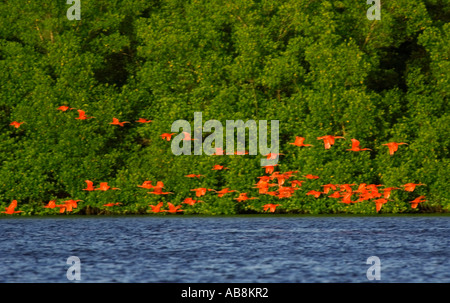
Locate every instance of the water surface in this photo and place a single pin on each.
(225, 249)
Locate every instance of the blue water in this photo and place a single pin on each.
(225, 249)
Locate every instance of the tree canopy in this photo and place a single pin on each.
(319, 67)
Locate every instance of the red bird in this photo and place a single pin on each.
(157, 189)
(190, 201)
(355, 146)
(263, 186)
(219, 151)
(104, 186)
(224, 191)
(241, 152)
(116, 122)
(270, 168)
(379, 203)
(299, 142)
(336, 194)
(393, 146)
(51, 204)
(187, 137)
(416, 201)
(82, 115)
(411, 186)
(90, 185)
(167, 136)
(194, 176)
(328, 140)
(219, 167)
(314, 193)
(200, 191)
(157, 208)
(328, 187)
(243, 197)
(63, 208)
(311, 177)
(16, 124)
(112, 204)
(142, 120)
(387, 191)
(270, 207)
(10, 209)
(272, 156)
(72, 203)
(173, 208)
(147, 185)
(296, 183)
(64, 108)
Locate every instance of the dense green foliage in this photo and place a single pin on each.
(319, 67)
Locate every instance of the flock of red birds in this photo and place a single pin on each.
(343, 192)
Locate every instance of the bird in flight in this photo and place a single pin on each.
(224, 191)
(190, 201)
(263, 185)
(393, 146)
(270, 207)
(104, 186)
(157, 208)
(387, 191)
(411, 186)
(167, 136)
(147, 185)
(63, 208)
(51, 204)
(157, 189)
(187, 137)
(90, 185)
(379, 203)
(328, 187)
(219, 167)
(328, 140)
(142, 120)
(201, 191)
(16, 124)
(416, 201)
(270, 168)
(72, 203)
(314, 193)
(64, 108)
(218, 151)
(273, 156)
(355, 146)
(297, 183)
(11, 208)
(336, 194)
(244, 197)
(299, 142)
(112, 204)
(241, 152)
(173, 208)
(117, 122)
(194, 176)
(82, 115)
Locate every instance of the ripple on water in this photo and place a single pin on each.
(225, 249)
